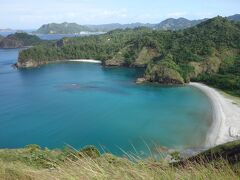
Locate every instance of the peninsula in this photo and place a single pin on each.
(208, 52)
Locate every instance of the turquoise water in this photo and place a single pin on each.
(81, 104)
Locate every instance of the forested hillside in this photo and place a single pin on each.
(63, 28)
(208, 52)
(18, 40)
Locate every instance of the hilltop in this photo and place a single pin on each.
(114, 26)
(235, 17)
(177, 24)
(168, 24)
(64, 28)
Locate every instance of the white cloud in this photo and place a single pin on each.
(36, 14)
(32, 14)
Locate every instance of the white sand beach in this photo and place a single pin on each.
(226, 116)
(85, 60)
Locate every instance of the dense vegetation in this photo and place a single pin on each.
(19, 40)
(208, 52)
(178, 24)
(114, 26)
(33, 162)
(64, 28)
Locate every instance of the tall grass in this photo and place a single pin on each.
(108, 166)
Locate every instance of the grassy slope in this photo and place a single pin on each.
(35, 163)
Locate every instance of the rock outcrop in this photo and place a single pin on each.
(166, 76)
(113, 62)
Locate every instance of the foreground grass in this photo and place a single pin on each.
(35, 163)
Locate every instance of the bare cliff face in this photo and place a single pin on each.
(27, 64)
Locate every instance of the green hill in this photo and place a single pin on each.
(19, 40)
(235, 17)
(114, 26)
(177, 24)
(64, 28)
(208, 52)
(183, 23)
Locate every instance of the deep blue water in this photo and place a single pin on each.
(81, 104)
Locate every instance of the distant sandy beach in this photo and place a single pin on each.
(85, 60)
(226, 116)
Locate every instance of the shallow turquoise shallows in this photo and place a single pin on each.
(85, 104)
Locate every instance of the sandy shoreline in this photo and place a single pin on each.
(226, 117)
(85, 60)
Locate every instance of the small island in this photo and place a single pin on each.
(18, 40)
(64, 28)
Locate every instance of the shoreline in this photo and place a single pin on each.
(84, 60)
(225, 117)
(31, 64)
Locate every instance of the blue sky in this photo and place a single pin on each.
(30, 14)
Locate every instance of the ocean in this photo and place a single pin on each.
(81, 104)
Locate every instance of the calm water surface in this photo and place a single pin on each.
(81, 104)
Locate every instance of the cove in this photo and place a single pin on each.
(85, 104)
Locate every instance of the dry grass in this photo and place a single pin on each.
(32, 162)
(110, 167)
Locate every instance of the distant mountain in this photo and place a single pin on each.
(235, 17)
(6, 30)
(177, 24)
(18, 40)
(168, 24)
(73, 28)
(110, 27)
(63, 28)
(183, 23)
(1, 37)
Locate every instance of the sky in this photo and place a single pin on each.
(31, 14)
